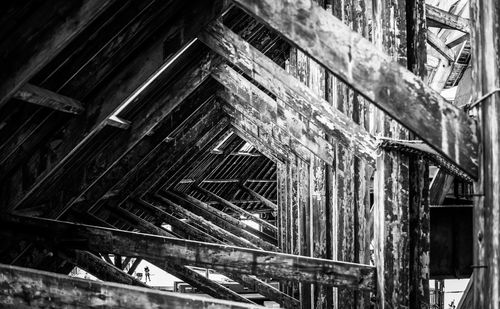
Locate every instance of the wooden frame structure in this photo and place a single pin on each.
(316, 121)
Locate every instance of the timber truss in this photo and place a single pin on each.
(154, 130)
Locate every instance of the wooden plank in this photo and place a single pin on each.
(46, 98)
(225, 221)
(289, 89)
(249, 282)
(371, 72)
(391, 186)
(419, 212)
(274, 136)
(485, 33)
(252, 100)
(437, 17)
(440, 46)
(237, 209)
(99, 268)
(60, 35)
(467, 300)
(208, 227)
(118, 122)
(439, 187)
(134, 266)
(204, 284)
(259, 197)
(215, 256)
(23, 287)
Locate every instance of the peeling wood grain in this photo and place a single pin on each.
(215, 256)
(373, 73)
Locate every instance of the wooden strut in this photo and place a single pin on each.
(215, 256)
(356, 61)
(24, 287)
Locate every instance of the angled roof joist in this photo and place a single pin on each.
(356, 61)
(287, 88)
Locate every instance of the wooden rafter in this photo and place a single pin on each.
(437, 17)
(290, 90)
(62, 32)
(215, 256)
(74, 292)
(391, 87)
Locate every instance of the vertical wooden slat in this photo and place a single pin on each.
(391, 218)
(485, 34)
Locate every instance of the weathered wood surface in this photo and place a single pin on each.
(251, 282)
(391, 179)
(289, 89)
(259, 197)
(148, 67)
(36, 95)
(214, 256)
(485, 21)
(467, 300)
(188, 275)
(437, 17)
(52, 41)
(29, 288)
(98, 267)
(371, 72)
(274, 114)
(208, 227)
(237, 209)
(225, 221)
(440, 46)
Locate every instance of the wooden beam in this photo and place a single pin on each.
(186, 181)
(202, 283)
(437, 17)
(289, 89)
(262, 199)
(250, 282)
(46, 98)
(99, 268)
(230, 224)
(23, 287)
(439, 187)
(237, 209)
(36, 55)
(370, 71)
(273, 136)
(274, 115)
(134, 266)
(485, 16)
(440, 46)
(218, 257)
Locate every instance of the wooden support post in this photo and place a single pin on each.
(118, 260)
(485, 33)
(371, 72)
(391, 187)
(36, 95)
(97, 267)
(22, 288)
(215, 256)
